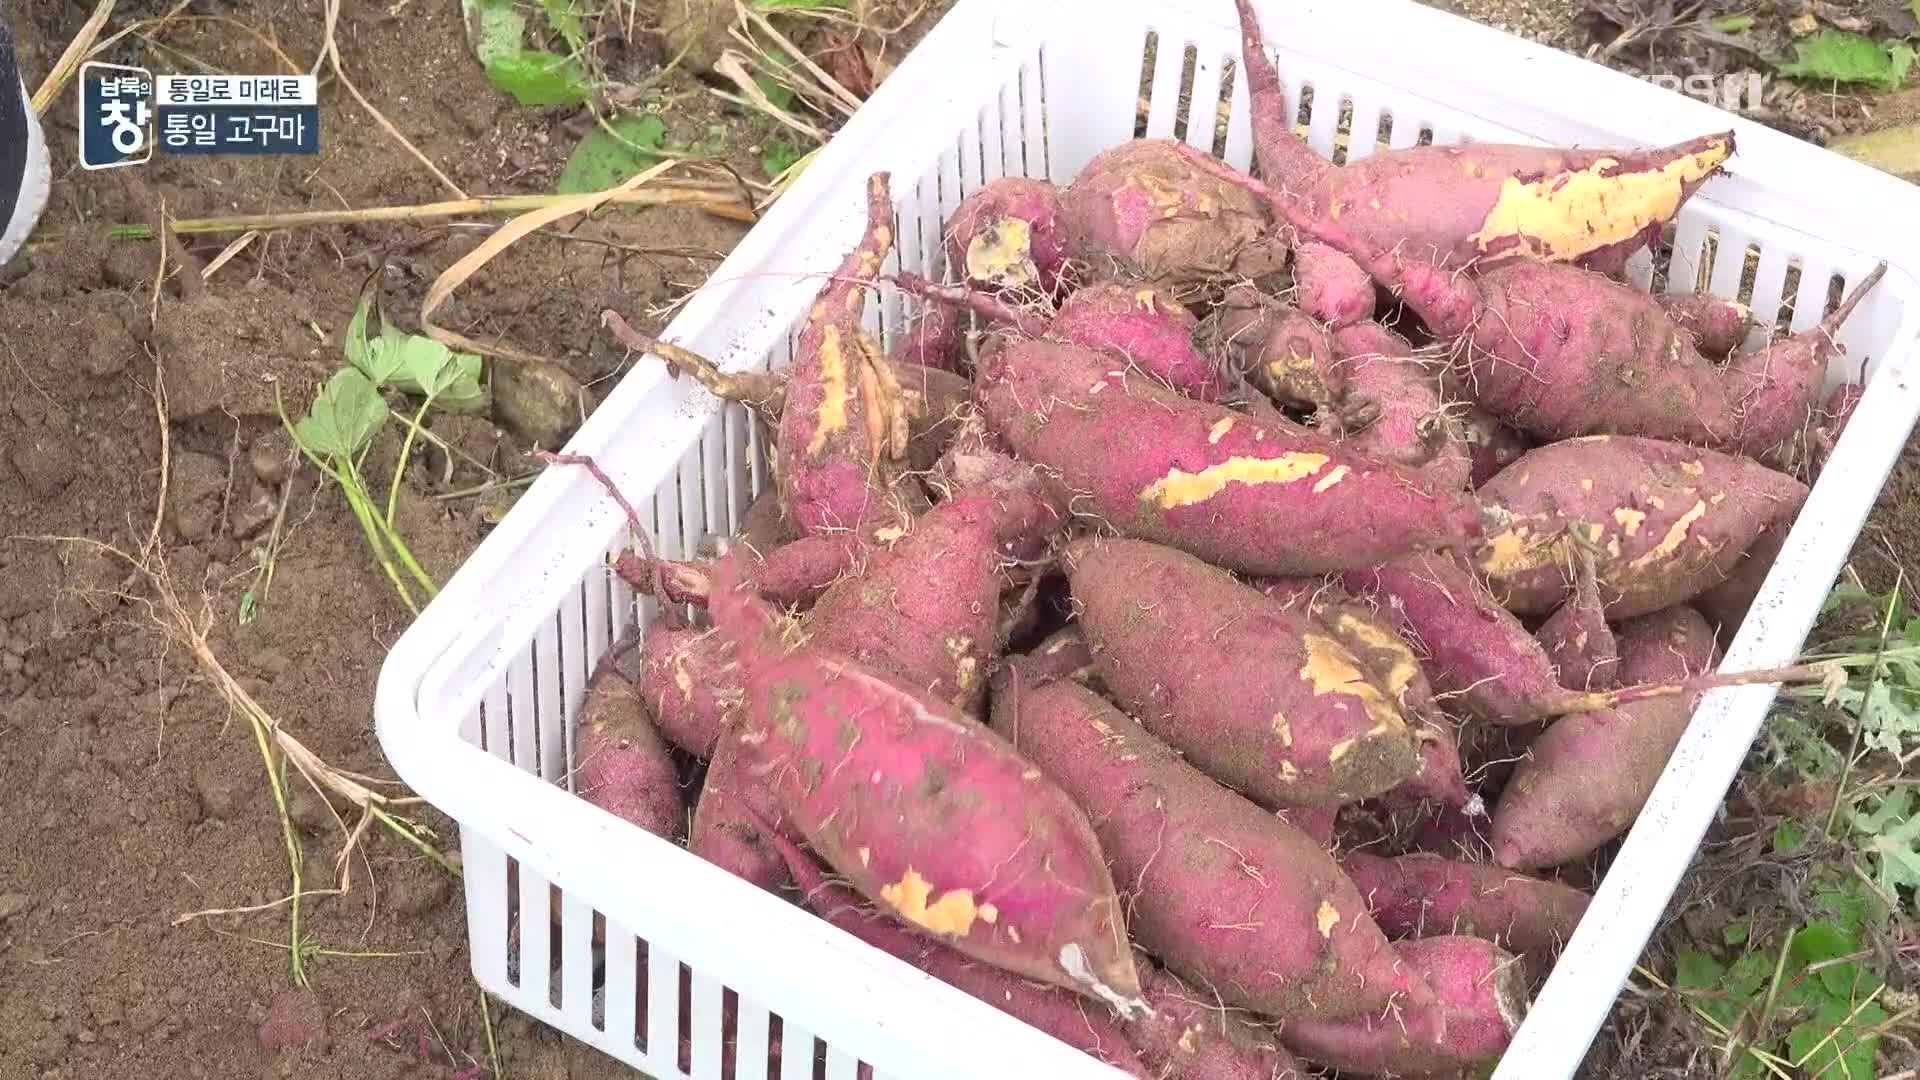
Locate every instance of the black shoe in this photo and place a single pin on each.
(24, 174)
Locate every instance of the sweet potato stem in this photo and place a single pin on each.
(985, 305)
(762, 392)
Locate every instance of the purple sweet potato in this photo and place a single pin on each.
(1482, 996)
(1472, 648)
(1008, 236)
(1145, 326)
(1664, 521)
(1226, 895)
(1413, 426)
(735, 816)
(1193, 1036)
(1392, 663)
(1492, 444)
(1332, 287)
(1139, 210)
(1585, 779)
(1149, 463)
(1426, 895)
(762, 525)
(1473, 204)
(621, 763)
(1065, 654)
(935, 340)
(1577, 639)
(795, 573)
(1301, 721)
(1716, 326)
(1560, 352)
(1725, 606)
(1282, 352)
(925, 812)
(834, 473)
(1060, 1013)
(690, 683)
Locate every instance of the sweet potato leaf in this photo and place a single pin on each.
(1846, 57)
(345, 414)
(603, 160)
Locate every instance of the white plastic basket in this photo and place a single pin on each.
(476, 700)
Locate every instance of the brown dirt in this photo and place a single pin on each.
(133, 795)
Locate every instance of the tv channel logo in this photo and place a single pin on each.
(116, 115)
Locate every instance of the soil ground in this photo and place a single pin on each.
(133, 796)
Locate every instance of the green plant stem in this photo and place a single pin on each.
(400, 466)
(401, 829)
(276, 781)
(369, 518)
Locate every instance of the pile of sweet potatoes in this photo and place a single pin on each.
(1202, 636)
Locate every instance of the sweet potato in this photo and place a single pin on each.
(1472, 648)
(1664, 521)
(1425, 895)
(1577, 639)
(763, 526)
(1585, 779)
(1065, 654)
(736, 817)
(1491, 444)
(621, 763)
(1331, 287)
(1482, 996)
(1716, 326)
(1725, 606)
(1560, 352)
(1391, 661)
(1282, 352)
(1473, 204)
(1138, 210)
(1300, 721)
(690, 683)
(1008, 236)
(1192, 1036)
(928, 814)
(1060, 1013)
(1412, 425)
(1227, 896)
(833, 473)
(935, 340)
(1146, 462)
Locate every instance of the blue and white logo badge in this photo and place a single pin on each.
(116, 115)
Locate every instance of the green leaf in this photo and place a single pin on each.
(1821, 941)
(1843, 56)
(1749, 973)
(1787, 836)
(1845, 903)
(1734, 24)
(1695, 970)
(494, 28)
(344, 417)
(562, 17)
(602, 160)
(777, 92)
(536, 77)
(456, 387)
(1735, 933)
(1850, 1053)
(780, 156)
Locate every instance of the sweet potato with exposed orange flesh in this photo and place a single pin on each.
(1226, 895)
(1302, 722)
(1138, 210)
(1283, 353)
(1391, 661)
(690, 683)
(1585, 779)
(1062, 1014)
(1472, 205)
(1490, 443)
(925, 812)
(1716, 326)
(1149, 463)
(1412, 425)
(1192, 1036)
(1426, 895)
(621, 764)
(1331, 287)
(1472, 648)
(1482, 996)
(1008, 236)
(1560, 352)
(1577, 639)
(1663, 521)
